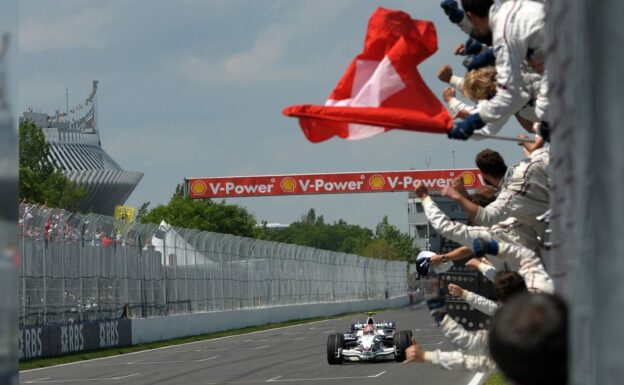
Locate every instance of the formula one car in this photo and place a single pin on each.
(370, 341)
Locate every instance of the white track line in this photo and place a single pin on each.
(280, 379)
(278, 340)
(207, 359)
(175, 346)
(48, 381)
(476, 380)
(232, 349)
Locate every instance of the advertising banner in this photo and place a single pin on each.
(60, 339)
(335, 183)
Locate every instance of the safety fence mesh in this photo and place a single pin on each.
(77, 267)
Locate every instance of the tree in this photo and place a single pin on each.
(387, 242)
(201, 214)
(379, 248)
(402, 244)
(312, 231)
(143, 210)
(39, 180)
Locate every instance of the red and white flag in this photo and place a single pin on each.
(382, 88)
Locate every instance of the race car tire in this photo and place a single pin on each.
(402, 340)
(334, 342)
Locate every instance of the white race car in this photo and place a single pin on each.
(370, 341)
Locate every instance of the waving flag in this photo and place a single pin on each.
(382, 88)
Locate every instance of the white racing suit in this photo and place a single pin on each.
(457, 82)
(471, 342)
(457, 360)
(541, 101)
(511, 255)
(531, 267)
(525, 194)
(534, 86)
(473, 349)
(484, 305)
(509, 230)
(456, 105)
(517, 28)
(488, 271)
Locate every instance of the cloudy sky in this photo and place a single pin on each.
(195, 88)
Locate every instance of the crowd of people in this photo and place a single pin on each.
(506, 237)
(55, 225)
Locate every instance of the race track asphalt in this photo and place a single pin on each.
(291, 355)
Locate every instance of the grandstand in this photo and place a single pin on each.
(75, 148)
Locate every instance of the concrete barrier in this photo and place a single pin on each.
(153, 329)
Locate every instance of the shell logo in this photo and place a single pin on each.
(288, 184)
(469, 178)
(376, 182)
(198, 187)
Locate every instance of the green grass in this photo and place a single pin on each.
(496, 379)
(40, 363)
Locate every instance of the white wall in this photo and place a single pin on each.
(146, 330)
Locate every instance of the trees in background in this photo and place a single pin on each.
(39, 180)
(200, 214)
(387, 242)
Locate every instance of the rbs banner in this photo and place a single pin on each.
(60, 339)
(340, 183)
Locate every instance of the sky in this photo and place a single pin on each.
(195, 88)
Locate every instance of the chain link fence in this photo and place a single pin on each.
(78, 267)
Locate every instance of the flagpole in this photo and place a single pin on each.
(505, 138)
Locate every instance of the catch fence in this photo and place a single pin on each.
(76, 267)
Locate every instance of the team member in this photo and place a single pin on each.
(509, 230)
(476, 301)
(530, 266)
(512, 234)
(473, 353)
(529, 340)
(517, 29)
(524, 191)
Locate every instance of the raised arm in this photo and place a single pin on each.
(474, 342)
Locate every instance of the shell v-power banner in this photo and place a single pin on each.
(334, 183)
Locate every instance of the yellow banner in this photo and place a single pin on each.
(124, 213)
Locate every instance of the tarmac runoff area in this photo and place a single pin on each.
(294, 355)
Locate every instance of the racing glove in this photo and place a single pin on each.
(422, 267)
(483, 59)
(451, 9)
(437, 309)
(481, 247)
(473, 47)
(464, 129)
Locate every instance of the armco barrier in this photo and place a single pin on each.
(60, 339)
(153, 329)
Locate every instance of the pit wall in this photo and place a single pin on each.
(154, 329)
(65, 338)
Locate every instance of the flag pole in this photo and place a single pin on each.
(505, 138)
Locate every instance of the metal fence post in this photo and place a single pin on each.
(23, 267)
(45, 289)
(64, 274)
